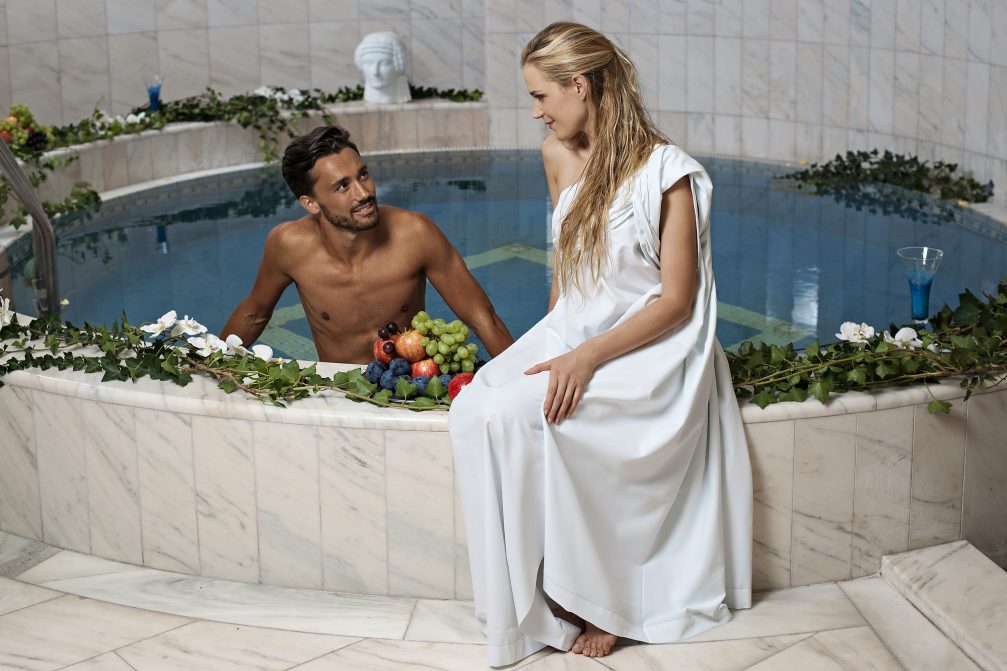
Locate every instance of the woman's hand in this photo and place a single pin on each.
(568, 376)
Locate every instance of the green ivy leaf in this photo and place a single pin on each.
(857, 376)
(435, 388)
(227, 385)
(886, 369)
(404, 389)
(763, 399)
(935, 406)
(820, 389)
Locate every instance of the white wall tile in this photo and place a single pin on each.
(31, 21)
(932, 27)
(953, 102)
(810, 68)
(5, 95)
(20, 507)
(220, 13)
(420, 513)
(436, 52)
(700, 17)
(756, 18)
(882, 87)
(331, 59)
(672, 53)
(811, 21)
(353, 494)
(727, 78)
(84, 76)
(727, 134)
(234, 59)
(181, 14)
(285, 55)
(224, 473)
(755, 137)
(956, 27)
(783, 19)
(699, 74)
(133, 62)
(80, 18)
(131, 16)
(184, 58)
(34, 81)
(997, 118)
(998, 37)
(62, 471)
(329, 10)
(113, 485)
(782, 80)
(906, 94)
(977, 115)
(289, 513)
(700, 134)
(836, 22)
(755, 78)
(771, 445)
(980, 16)
(860, 23)
(908, 16)
(167, 491)
(883, 24)
(673, 13)
(282, 11)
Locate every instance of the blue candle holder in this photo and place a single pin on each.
(921, 265)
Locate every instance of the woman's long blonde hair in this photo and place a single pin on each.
(624, 136)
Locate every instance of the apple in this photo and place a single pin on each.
(12, 120)
(5, 136)
(379, 349)
(457, 382)
(409, 348)
(426, 367)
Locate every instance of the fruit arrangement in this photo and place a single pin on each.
(431, 360)
(20, 129)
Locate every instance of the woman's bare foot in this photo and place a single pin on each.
(594, 642)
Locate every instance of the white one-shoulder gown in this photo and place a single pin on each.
(635, 513)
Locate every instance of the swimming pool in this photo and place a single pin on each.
(790, 266)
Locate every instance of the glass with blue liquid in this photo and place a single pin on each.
(921, 265)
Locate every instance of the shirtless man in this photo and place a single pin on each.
(357, 266)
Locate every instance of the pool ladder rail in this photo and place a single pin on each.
(45, 282)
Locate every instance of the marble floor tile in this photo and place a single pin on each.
(228, 647)
(110, 661)
(16, 595)
(789, 611)
(712, 656)
(67, 630)
(857, 649)
(375, 655)
(17, 554)
(290, 608)
(961, 591)
(915, 642)
(444, 621)
(568, 661)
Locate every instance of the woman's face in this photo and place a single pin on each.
(564, 109)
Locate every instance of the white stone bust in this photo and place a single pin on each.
(381, 59)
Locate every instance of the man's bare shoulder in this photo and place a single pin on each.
(405, 222)
(291, 238)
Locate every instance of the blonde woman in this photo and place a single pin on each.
(604, 474)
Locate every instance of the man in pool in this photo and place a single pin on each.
(357, 265)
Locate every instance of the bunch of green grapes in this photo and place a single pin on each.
(19, 126)
(445, 343)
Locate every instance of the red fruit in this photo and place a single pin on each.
(5, 136)
(426, 367)
(379, 352)
(457, 382)
(409, 348)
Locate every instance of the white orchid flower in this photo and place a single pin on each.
(187, 326)
(264, 352)
(208, 345)
(6, 314)
(132, 119)
(141, 116)
(164, 322)
(855, 333)
(263, 91)
(905, 338)
(234, 342)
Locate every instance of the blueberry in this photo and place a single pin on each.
(446, 379)
(400, 366)
(421, 383)
(375, 370)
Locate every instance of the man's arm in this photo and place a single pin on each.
(446, 270)
(252, 314)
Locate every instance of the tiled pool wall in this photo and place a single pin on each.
(333, 495)
(763, 79)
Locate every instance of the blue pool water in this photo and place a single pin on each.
(789, 265)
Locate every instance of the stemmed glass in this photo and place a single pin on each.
(154, 94)
(921, 264)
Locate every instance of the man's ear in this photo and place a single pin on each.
(309, 204)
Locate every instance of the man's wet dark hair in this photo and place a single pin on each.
(302, 154)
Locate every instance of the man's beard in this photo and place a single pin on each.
(352, 223)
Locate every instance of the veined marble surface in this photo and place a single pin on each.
(959, 590)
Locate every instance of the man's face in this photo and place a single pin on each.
(344, 193)
(378, 68)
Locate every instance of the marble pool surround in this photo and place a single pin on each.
(329, 494)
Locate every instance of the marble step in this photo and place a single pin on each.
(961, 591)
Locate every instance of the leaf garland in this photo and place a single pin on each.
(968, 341)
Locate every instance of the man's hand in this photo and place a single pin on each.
(568, 377)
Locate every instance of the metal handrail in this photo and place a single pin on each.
(43, 239)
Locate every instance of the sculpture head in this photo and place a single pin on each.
(381, 59)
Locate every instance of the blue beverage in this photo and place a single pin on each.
(920, 282)
(154, 94)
